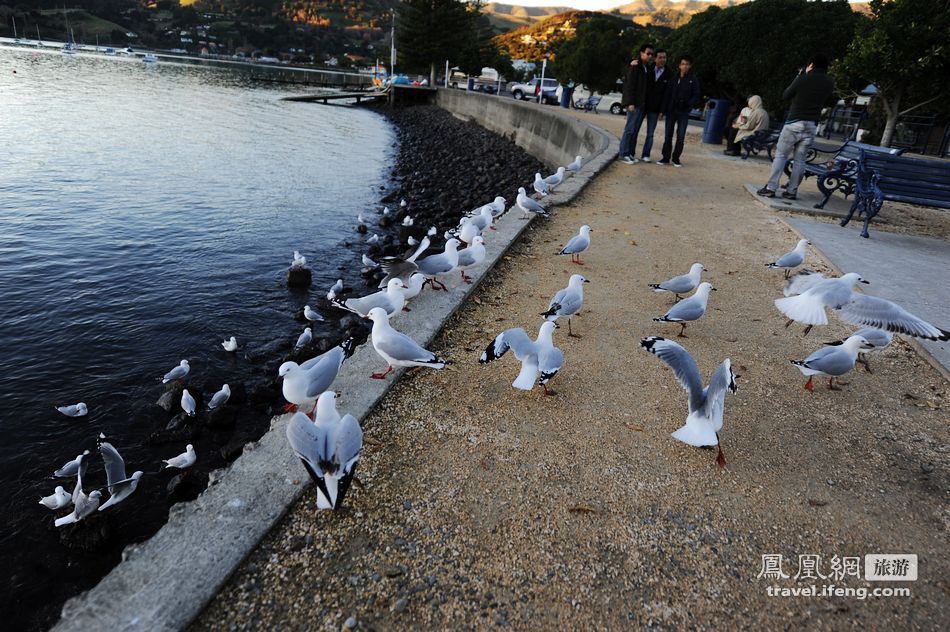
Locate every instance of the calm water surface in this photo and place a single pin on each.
(146, 213)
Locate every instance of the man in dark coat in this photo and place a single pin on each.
(682, 95)
(634, 100)
(658, 78)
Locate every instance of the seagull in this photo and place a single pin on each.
(329, 448)
(74, 410)
(683, 283)
(396, 348)
(403, 203)
(705, 404)
(689, 309)
(443, 263)
(575, 166)
(540, 186)
(540, 360)
(391, 299)
(484, 218)
(57, 500)
(407, 220)
(187, 403)
(336, 289)
(815, 293)
(791, 259)
(373, 239)
(555, 178)
(402, 269)
(304, 382)
(497, 207)
(567, 302)
(230, 344)
(471, 257)
(85, 505)
(527, 205)
(416, 281)
(369, 263)
(468, 230)
(432, 231)
(184, 460)
(220, 398)
(178, 373)
(299, 260)
(412, 241)
(832, 361)
(359, 218)
(312, 315)
(72, 468)
(120, 486)
(385, 211)
(878, 338)
(304, 339)
(577, 244)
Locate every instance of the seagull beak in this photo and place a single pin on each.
(865, 282)
(556, 326)
(586, 281)
(714, 289)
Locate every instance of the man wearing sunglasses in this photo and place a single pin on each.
(635, 87)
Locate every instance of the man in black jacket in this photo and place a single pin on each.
(811, 90)
(634, 99)
(682, 95)
(659, 76)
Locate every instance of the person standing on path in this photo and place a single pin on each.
(809, 93)
(659, 77)
(634, 98)
(682, 95)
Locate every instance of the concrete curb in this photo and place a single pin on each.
(164, 583)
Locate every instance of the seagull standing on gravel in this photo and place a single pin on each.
(391, 299)
(528, 205)
(57, 500)
(74, 410)
(540, 186)
(179, 373)
(791, 259)
(555, 178)
(878, 338)
(304, 339)
(832, 361)
(312, 315)
(575, 166)
(567, 302)
(540, 360)
(807, 294)
(705, 404)
(683, 283)
(230, 344)
(220, 398)
(329, 448)
(396, 348)
(303, 383)
(578, 243)
(470, 257)
(120, 486)
(187, 403)
(689, 309)
(184, 460)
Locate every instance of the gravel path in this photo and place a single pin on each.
(485, 506)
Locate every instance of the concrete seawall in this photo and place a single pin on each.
(164, 583)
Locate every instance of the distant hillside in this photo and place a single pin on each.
(507, 17)
(531, 42)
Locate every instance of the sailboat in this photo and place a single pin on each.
(16, 39)
(39, 42)
(69, 48)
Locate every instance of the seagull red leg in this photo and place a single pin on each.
(808, 384)
(721, 458)
(381, 376)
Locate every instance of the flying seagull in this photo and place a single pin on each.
(540, 359)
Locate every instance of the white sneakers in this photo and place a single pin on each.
(630, 160)
(645, 159)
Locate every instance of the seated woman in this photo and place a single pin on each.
(752, 119)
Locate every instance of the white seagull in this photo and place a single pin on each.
(528, 205)
(790, 260)
(373, 239)
(403, 269)
(230, 344)
(879, 339)
(555, 178)
(74, 410)
(440, 264)
(833, 361)
(335, 290)
(578, 243)
(540, 360)
(396, 348)
(84, 506)
(683, 283)
(468, 230)
(120, 486)
(540, 186)
(180, 372)
(329, 448)
(484, 218)
(312, 315)
(705, 404)
(689, 309)
(304, 339)
(392, 299)
(575, 166)
(187, 403)
(299, 260)
(220, 398)
(184, 460)
(72, 468)
(567, 302)
(57, 500)
(303, 383)
(471, 257)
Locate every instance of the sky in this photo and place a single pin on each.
(587, 5)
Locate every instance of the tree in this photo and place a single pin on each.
(903, 50)
(433, 31)
(597, 54)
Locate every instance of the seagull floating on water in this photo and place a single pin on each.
(184, 460)
(578, 243)
(120, 486)
(84, 506)
(790, 260)
(528, 205)
(540, 359)
(57, 500)
(179, 373)
(396, 348)
(74, 410)
(683, 283)
(567, 302)
(230, 344)
(705, 404)
(689, 309)
(220, 398)
(329, 448)
(832, 361)
(304, 382)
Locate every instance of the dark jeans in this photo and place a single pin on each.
(680, 121)
(631, 127)
(651, 118)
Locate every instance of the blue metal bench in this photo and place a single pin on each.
(897, 178)
(762, 140)
(838, 172)
(589, 104)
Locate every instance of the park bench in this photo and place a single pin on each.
(762, 140)
(589, 104)
(884, 176)
(838, 172)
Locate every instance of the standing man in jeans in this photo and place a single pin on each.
(653, 106)
(682, 95)
(809, 93)
(634, 98)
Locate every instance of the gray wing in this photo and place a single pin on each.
(790, 260)
(401, 347)
(309, 443)
(321, 375)
(363, 304)
(174, 374)
(558, 297)
(678, 284)
(114, 465)
(218, 399)
(531, 205)
(515, 339)
(877, 337)
(578, 243)
(435, 265)
(883, 314)
(349, 442)
(570, 301)
(683, 365)
(716, 391)
(396, 269)
(549, 363)
(802, 282)
(466, 258)
(335, 354)
(686, 310)
(72, 468)
(830, 360)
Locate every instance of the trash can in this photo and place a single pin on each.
(567, 95)
(471, 83)
(715, 121)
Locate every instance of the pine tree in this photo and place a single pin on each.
(429, 32)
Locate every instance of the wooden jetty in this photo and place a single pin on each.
(338, 96)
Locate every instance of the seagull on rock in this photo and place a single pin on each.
(220, 398)
(689, 309)
(184, 460)
(807, 294)
(683, 283)
(120, 486)
(303, 383)
(832, 361)
(396, 348)
(578, 243)
(304, 339)
(705, 404)
(540, 360)
(179, 373)
(567, 302)
(299, 260)
(312, 315)
(335, 290)
(528, 205)
(791, 259)
(329, 448)
(187, 403)
(74, 410)
(59, 499)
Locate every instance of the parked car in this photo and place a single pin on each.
(608, 102)
(530, 89)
